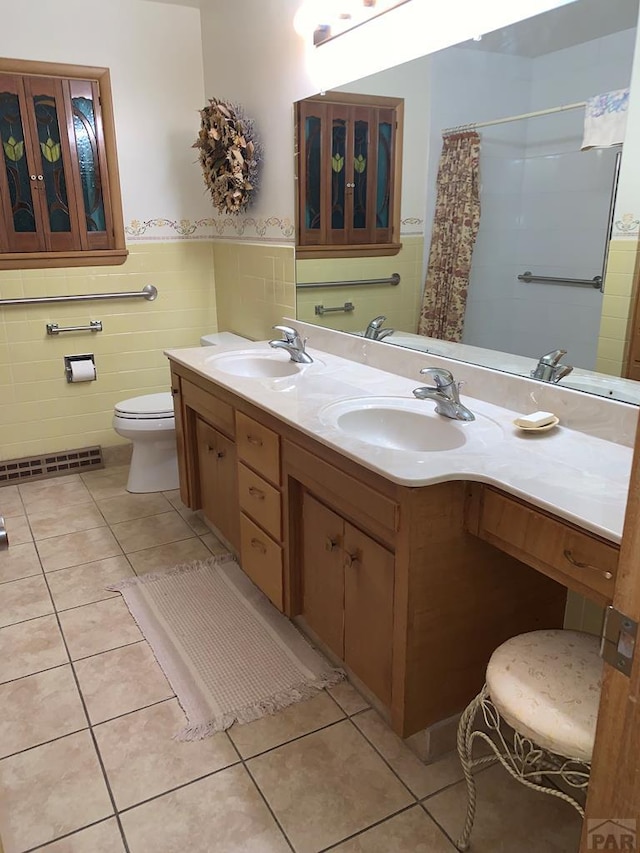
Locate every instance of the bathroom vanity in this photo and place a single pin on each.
(410, 567)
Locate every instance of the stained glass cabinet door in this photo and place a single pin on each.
(52, 192)
(349, 174)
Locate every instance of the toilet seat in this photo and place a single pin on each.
(146, 407)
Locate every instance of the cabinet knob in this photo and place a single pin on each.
(580, 565)
(175, 391)
(330, 544)
(33, 177)
(351, 560)
(252, 439)
(256, 493)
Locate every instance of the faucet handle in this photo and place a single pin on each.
(288, 333)
(441, 377)
(553, 357)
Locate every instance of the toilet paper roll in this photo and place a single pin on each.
(83, 370)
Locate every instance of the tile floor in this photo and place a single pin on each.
(87, 759)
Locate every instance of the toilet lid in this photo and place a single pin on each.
(147, 406)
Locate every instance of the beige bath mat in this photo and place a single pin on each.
(228, 654)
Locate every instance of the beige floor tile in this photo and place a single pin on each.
(39, 708)
(193, 518)
(24, 599)
(98, 627)
(223, 813)
(411, 831)
(74, 549)
(46, 496)
(421, 779)
(127, 507)
(120, 681)
(85, 584)
(18, 529)
(214, 544)
(10, 502)
(508, 816)
(30, 647)
(154, 530)
(143, 759)
(327, 786)
(348, 698)
(102, 838)
(51, 790)
(167, 556)
(107, 482)
(65, 519)
(292, 722)
(19, 561)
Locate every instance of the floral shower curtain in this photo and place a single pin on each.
(455, 227)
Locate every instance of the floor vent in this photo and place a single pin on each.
(50, 465)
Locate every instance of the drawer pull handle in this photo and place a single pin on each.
(330, 544)
(175, 391)
(258, 545)
(579, 565)
(256, 493)
(352, 560)
(252, 439)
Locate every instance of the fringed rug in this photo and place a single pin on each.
(228, 654)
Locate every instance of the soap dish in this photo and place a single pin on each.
(544, 428)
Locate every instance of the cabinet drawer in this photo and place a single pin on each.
(261, 559)
(544, 542)
(260, 501)
(215, 411)
(259, 447)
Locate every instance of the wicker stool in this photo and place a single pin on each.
(545, 686)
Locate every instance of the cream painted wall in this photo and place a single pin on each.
(154, 53)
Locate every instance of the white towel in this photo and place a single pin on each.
(605, 119)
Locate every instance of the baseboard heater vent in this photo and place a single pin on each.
(50, 465)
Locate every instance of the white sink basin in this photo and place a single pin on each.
(403, 423)
(257, 364)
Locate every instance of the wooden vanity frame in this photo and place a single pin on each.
(464, 577)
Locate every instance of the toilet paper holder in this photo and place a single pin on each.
(69, 359)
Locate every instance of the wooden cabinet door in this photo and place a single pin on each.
(323, 573)
(368, 606)
(217, 471)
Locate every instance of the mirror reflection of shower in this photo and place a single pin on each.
(545, 204)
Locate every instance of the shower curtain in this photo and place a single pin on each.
(455, 227)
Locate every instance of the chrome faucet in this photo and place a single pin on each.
(374, 330)
(549, 369)
(293, 344)
(445, 393)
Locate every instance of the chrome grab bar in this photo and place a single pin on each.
(347, 308)
(148, 292)
(393, 280)
(55, 329)
(4, 536)
(595, 282)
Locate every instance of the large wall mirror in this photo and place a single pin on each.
(546, 205)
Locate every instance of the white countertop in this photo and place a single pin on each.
(576, 476)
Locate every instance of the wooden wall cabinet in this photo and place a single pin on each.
(59, 188)
(349, 175)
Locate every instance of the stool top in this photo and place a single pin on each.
(546, 685)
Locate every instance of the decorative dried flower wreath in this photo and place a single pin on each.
(229, 155)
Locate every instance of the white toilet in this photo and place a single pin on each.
(148, 421)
